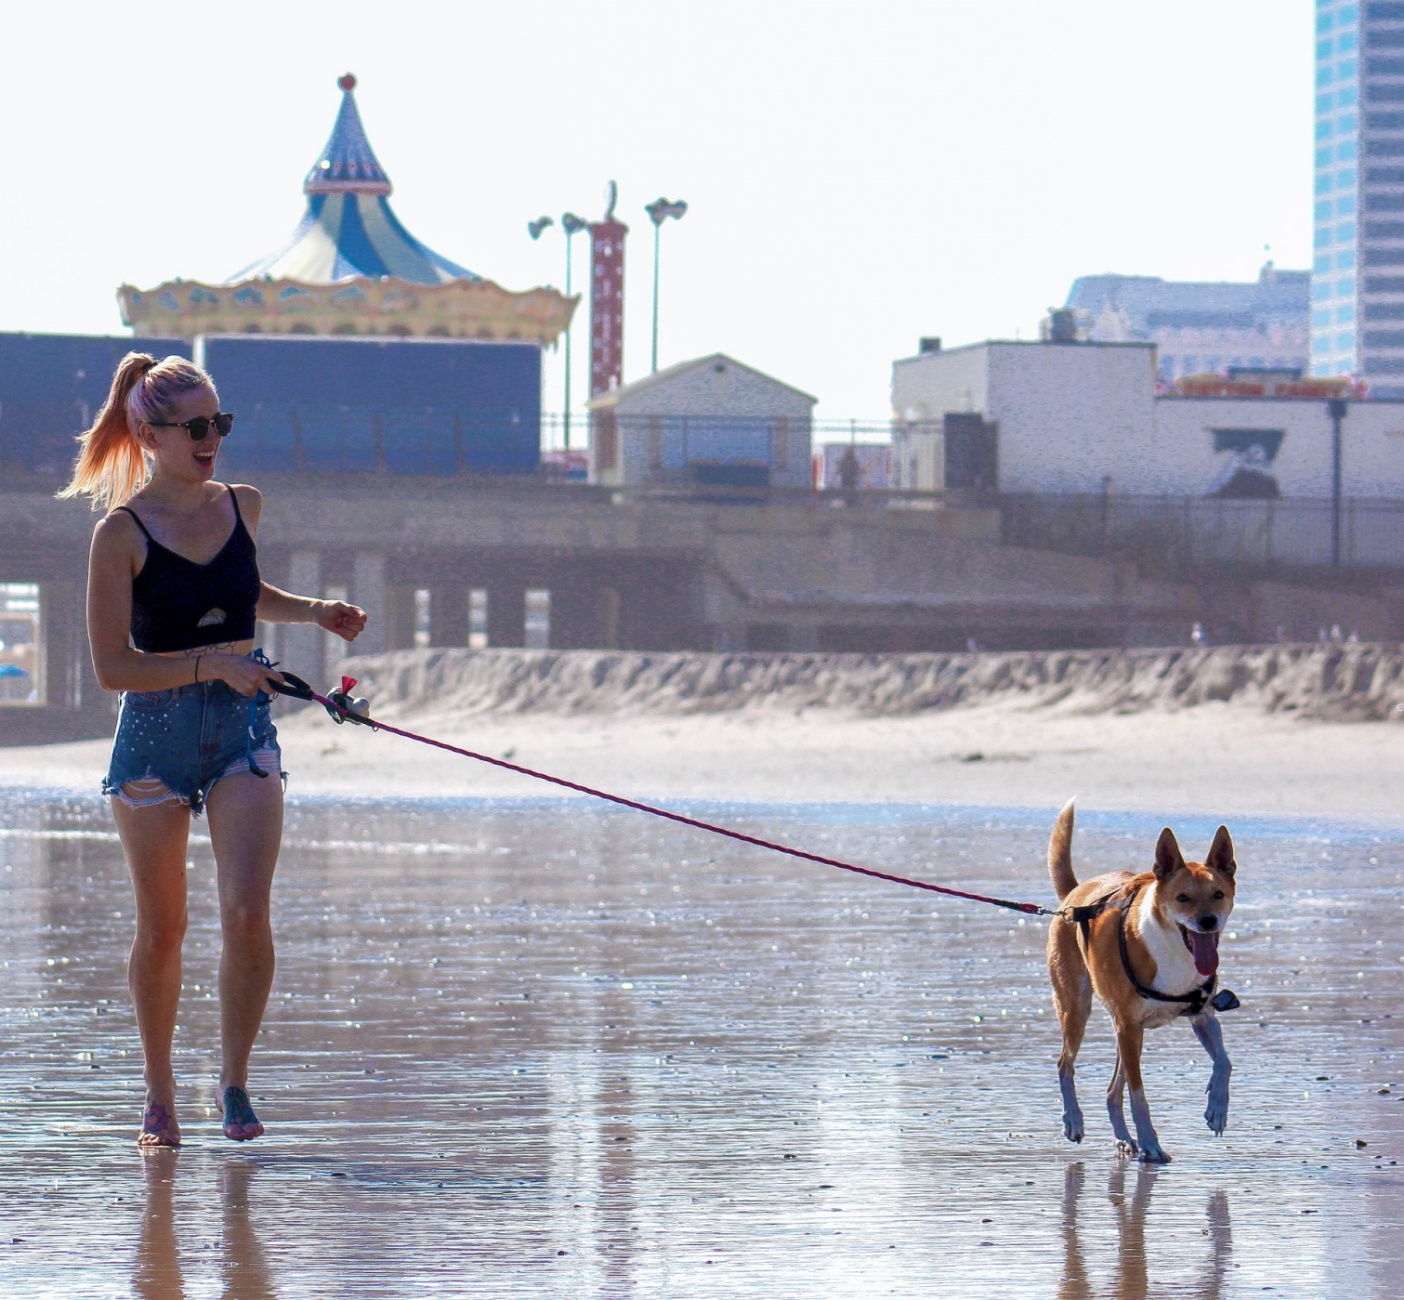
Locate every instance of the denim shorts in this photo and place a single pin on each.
(174, 745)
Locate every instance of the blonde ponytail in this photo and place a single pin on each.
(112, 466)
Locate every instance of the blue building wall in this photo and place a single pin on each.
(51, 386)
(403, 406)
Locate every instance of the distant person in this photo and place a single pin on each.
(1198, 636)
(173, 592)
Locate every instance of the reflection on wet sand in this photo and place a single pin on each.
(156, 1272)
(242, 1263)
(1132, 1265)
(156, 1266)
(534, 1050)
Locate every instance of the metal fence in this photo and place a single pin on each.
(1175, 533)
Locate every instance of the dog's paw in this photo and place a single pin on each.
(1127, 1148)
(1072, 1128)
(1152, 1153)
(1216, 1112)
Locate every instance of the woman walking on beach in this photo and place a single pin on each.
(173, 594)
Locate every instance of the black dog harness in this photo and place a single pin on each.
(1194, 1001)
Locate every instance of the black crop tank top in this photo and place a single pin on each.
(180, 605)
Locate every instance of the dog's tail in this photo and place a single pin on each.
(1060, 853)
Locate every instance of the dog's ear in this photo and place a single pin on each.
(1168, 858)
(1220, 857)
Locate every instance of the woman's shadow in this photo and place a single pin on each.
(1132, 1266)
(158, 1271)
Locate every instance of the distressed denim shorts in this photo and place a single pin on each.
(174, 745)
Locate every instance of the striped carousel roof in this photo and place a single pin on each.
(349, 229)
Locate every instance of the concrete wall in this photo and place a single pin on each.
(1183, 459)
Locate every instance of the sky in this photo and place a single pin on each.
(857, 175)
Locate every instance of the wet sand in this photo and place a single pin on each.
(534, 1047)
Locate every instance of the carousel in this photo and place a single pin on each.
(349, 268)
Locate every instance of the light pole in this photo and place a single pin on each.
(535, 229)
(659, 211)
(1336, 408)
(572, 225)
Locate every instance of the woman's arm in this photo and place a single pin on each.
(276, 606)
(119, 667)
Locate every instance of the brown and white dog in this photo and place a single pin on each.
(1148, 946)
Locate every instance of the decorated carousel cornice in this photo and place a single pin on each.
(349, 268)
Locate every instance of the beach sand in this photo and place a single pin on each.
(1212, 760)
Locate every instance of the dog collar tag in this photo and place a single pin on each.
(1224, 1000)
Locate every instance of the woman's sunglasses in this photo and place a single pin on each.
(199, 428)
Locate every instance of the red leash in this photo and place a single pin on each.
(339, 711)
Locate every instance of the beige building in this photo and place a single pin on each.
(710, 422)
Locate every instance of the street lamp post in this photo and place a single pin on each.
(535, 229)
(572, 225)
(1336, 407)
(659, 211)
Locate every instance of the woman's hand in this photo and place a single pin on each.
(346, 621)
(240, 672)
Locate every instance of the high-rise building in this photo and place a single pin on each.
(1357, 311)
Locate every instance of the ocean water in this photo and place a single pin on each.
(544, 1048)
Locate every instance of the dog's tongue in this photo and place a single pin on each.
(1205, 950)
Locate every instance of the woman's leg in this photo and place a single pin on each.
(154, 840)
(246, 825)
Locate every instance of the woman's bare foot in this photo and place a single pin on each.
(240, 1122)
(158, 1125)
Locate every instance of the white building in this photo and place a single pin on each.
(1086, 418)
(707, 421)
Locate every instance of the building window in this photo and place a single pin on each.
(21, 644)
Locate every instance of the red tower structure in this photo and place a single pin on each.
(607, 300)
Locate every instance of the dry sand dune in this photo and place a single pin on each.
(1314, 731)
(1338, 683)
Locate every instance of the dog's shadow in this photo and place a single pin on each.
(1132, 1266)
